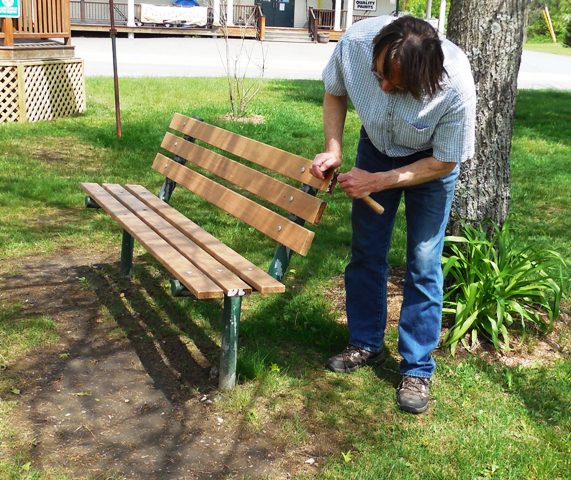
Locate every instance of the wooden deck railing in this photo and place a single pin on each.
(260, 23)
(97, 13)
(325, 19)
(39, 19)
(312, 25)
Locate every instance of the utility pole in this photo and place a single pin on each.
(113, 34)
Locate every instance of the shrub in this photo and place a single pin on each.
(567, 39)
(560, 12)
(493, 285)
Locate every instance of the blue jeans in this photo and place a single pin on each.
(427, 210)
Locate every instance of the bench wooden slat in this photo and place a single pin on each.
(275, 226)
(276, 159)
(213, 269)
(291, 199)
(188, 274)
(242, 267)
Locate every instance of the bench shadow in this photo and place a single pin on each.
(153, 323)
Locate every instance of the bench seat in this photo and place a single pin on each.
(204, 265)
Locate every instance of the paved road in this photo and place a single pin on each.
(203, 57)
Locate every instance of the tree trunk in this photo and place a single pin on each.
(491, 32)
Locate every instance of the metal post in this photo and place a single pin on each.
(442, 16)
(349, 17)
(337, 16)
(113, 33)
(127, 245)
(280, 262)
(232, 308)
(282, 254)
(90, 203)
(169, 185)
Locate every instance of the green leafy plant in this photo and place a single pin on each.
(493, 285)
(567, 39)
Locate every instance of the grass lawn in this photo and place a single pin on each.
(487, 420)
(548, 47)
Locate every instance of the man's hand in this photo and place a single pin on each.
(357, 183)
(324, 162)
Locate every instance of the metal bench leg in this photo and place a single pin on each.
(232, 308)
(282, 254)
(280, 262)
(127, 254)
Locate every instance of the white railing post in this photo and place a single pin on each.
(216, 12)
(131, 16)
(337, 17)
(442, 16)
(229, 12)
(349, 19)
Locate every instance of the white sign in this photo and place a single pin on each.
(10, 8)
(370, 5)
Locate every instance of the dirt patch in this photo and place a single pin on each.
(129, 401)
(531, 352)
(249, 119)
(61, 153)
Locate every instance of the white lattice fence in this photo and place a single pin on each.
(9, 108)
(41, 90)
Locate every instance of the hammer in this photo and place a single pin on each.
(375, 206)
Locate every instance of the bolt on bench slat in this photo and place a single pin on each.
(266, 221)
(276, 159)
(235, 262)
(192, 278)
(214, 270)
(289, 198)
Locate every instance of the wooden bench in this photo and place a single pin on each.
(200, 263)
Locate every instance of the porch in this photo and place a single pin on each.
(238, 20)
(40, 78)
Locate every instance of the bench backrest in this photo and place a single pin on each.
(267, 187)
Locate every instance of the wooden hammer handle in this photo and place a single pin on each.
(375, 206)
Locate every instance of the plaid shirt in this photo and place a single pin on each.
(397, 123)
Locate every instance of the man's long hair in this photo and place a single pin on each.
(415, 46)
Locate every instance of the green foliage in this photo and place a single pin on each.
(417, 8)
(567, 39)
(494, 285)
(560, 13)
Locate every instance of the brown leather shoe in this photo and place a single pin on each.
(412, 394)
(353, 358)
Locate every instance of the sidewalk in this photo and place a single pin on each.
(203, 57)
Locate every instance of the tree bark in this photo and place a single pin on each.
(491, 32)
